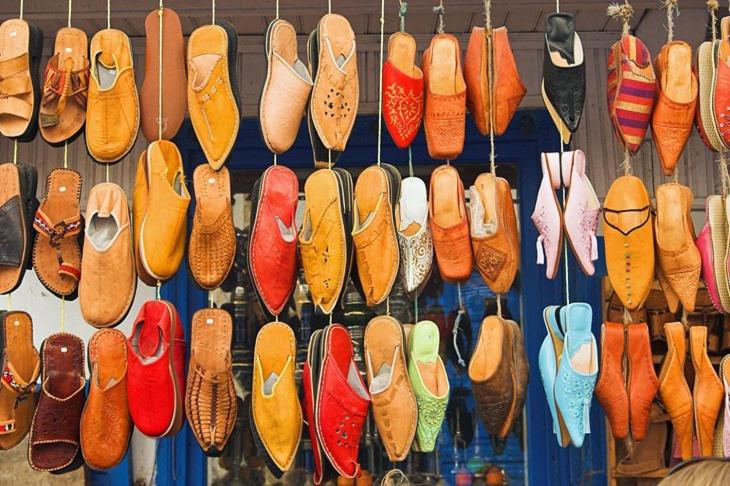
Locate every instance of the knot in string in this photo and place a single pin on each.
(402, 12)
(626, 163)
(712, 6)
(622, 13)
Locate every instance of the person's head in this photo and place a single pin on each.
(704, 470)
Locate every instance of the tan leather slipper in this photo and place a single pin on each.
(213, 238)
(56, 251)
(65, 87)
(21, 367)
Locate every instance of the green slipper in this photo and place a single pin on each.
(429, 381)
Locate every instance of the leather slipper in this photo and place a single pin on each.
(336, 91)
(56, 251)
(21, 366)
(21, 45)
(65, 88)
(286, 90)
(213, 238)
(174, 76)
(18, 183)
(106, 426)
(54, 434)
(210, 397)
(402, 90)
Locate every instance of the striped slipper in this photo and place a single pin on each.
(631, 90)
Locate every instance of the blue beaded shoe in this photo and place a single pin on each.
(577, 371)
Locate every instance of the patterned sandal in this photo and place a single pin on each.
(56, 252)
(21, 366)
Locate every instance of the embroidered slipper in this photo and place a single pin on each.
(402, 90)
(21, 367)
(18, 183)
(174, 76)
(54, 434)
(21, 44)
(56, 251)
(65, 88)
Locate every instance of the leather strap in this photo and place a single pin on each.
(56, 233)
(646, 208)
(62, 408)
(61, 84)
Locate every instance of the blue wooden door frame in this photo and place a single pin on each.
(180, 461)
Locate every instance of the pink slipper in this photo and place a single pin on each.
(548, 216)
(581, 212)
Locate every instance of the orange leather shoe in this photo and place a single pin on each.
(112, 109)
(629, 236)
(213, 90)
(507, 84)
(494, 235)
(673, 388)
(376, 247)
(674, 109)
(107, 257)
(676, 252)
(160, 243)
(611, 386)
(643, 382)
(449, 224)
(707, 393)
(445, 114)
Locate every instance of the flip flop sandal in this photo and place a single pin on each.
(210, 397)
(21, 367)
(54, 443)
(65, 88)
(21, 43)
(57, 252)
(17, 195)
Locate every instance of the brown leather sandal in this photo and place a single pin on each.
(57, 252)
(210, 398)
(21, 366)
(54, 434)
(65, 88)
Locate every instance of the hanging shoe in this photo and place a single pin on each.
(707, 126)
(414, 235)
(548, 216)
(721, 93)
(643, 383)
(673, 115)
(629, 240)
(402, 90)
(725, 377)
(286, 90)
(631, 91)
(707, 392)
(563, 74)
(577, 372)
(673, 389)
(549, 357)
(611, 386)
(712, 243)
(581, 211)
(676, 252)
(495, 237)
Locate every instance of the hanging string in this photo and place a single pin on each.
(415, 309)
(499, 305)
(157, 290)
(460, 311)
(410, 161)
(70, 4)
(15, 151)
(159, 78)
(380, 90)
(557, 6)
(63, 313)
(330, 316)
(213, 12)
(277, 9)
(210, 299)
(21, 9)
(108, 14)
(65, 155)
(440, 11)
(621, 13)
(724, 176)
(566, 269)
(329, 11)
(387, 306)
(402, 14)
(10, 301)
(626, 163)
(490, 76)
(712, 6)
(627, 316)
(671, 6)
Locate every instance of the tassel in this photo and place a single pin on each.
(587, 415)
(540, 251)
(594, 248)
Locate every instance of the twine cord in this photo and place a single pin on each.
(671, 6)
(10, 301)
(626, 163)
(159, 78)
(490, 76)
(108, 14)
(415, 309)
(402, 14)
(277, 9)
(213, 12)
(63, 313)
(557, 6)
(329, 11)
(65, 155)
(15, 151)
(380, 90)
(566, 269)
(627, 316)
(21, 9)
(621, 13)
(712, 6)
(499, 305)
(157, 290)
(70, 5)
(724, 176)
(440, 10)
(410, 161)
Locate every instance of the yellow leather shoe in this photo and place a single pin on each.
(276, 415)
(212, 90)
(707, 392)
(140, 197)
(322, 239)
(676, 252)
(112, 109)
(394, 403)
(629, 239)
(161, 237)
(376, 247)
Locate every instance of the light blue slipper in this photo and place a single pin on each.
(548, 359)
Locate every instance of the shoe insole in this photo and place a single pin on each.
(102, 230)
(486, 190)
(487, 353)
(63, 369)
(274, 350)
(383, 343)
(106, 74)
(412, 209)
(14, 41)
(402, 54)
(283, 41)
(108, 357)
(371, 190)
(71, 44)
(18, 347)
(210, 339)
(443, 77)
(336, 35)
(212, 192)
(445, 197)
(583, 360)
(679, 81)
(670, 217)
(321, 190)
(425, 352)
